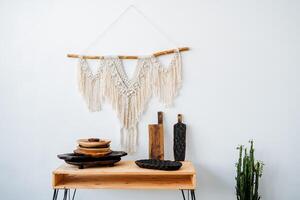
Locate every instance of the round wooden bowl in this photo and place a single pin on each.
(88, 143)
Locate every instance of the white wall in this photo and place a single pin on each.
(240, 82)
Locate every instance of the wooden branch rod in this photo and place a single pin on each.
(159, 53)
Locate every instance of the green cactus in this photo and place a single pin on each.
(248, 173)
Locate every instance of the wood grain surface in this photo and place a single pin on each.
(124, 175)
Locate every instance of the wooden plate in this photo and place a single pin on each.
(93, 150)
(92, 144)
(100, 154)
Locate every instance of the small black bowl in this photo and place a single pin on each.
(167, 165)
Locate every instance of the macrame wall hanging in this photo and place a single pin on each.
(129, 97)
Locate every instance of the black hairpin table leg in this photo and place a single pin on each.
(190, 193)
(55, 192)
(193, 195)
(74, 194)
(182, 192)
(67, 194)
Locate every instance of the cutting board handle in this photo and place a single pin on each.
(179, 118)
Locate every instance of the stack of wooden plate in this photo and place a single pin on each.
(93, 147)
(92, 152)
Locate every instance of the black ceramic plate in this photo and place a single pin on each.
(98, 163)
(72, 157)
(159, 164)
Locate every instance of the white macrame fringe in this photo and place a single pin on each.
(129, 98)
(129, 139)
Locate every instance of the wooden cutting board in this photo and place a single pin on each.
(156, 139)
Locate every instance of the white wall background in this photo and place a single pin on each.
(240, 82)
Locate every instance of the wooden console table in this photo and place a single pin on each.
(124, 175)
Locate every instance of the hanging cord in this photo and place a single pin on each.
(110, 26)
(166, 36)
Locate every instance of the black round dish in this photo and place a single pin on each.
(98, 163)
(167, 165)
(72, 157)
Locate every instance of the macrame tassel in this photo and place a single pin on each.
(90, 86)
(167, 81)
(129, 139)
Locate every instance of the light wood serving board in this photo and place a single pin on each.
(156, 139)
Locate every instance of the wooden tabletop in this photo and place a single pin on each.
(124, 175)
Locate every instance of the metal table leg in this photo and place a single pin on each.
(74, 194)
(190, 193)
(55, 193)
(193, 194)
(182, 192)
(66, 196)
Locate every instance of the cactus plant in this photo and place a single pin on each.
(248, 173)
